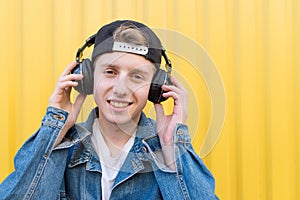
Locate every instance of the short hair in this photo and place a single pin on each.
(129, 33)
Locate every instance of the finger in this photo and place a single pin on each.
(69, 81)
(160, 113)
(179, 99)
(172, 94)
(69, 68)
(180, 106)
(66, 84)
(173, 88)
(71, 77)
(177, 83)
(181, 92)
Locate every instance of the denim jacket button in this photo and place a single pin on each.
(144, 149)
(180, 132)
(59, 117)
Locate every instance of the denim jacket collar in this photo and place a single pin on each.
(146, 143)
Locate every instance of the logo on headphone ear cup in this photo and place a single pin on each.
(155, 93)
(86, 85)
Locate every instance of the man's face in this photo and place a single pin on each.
(121, 86)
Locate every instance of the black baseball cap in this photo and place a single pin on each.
(105, 42)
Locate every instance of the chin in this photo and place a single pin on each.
(121, 119)
(121, 116)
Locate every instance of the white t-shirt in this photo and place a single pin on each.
(110, 165)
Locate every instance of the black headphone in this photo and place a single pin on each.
(85, 67)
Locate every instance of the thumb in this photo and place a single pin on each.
(78, 103)
(159, 109)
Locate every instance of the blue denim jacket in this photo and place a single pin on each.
(72, 169)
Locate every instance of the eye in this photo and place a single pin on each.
(110, 72)
(137, 77)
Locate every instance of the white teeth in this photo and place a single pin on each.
(119, 104)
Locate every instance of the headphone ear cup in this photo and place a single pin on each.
(86, 85)
(155, 93)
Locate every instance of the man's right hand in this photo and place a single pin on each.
(60, 98)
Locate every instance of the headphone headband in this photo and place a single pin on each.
(91, 41)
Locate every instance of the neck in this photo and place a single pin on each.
(116, 134)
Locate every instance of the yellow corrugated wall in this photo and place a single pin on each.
(254, 45)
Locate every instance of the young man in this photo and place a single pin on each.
(118, 153)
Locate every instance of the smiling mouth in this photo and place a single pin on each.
(119, 104)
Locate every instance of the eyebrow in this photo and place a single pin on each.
(134, 70)
(140, 71)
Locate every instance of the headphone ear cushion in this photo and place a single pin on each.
(86, 85)
(155, 93)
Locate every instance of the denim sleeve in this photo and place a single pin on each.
(38, 169)
(191, 170)
(192, 177)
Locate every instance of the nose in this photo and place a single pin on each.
(120, 88)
